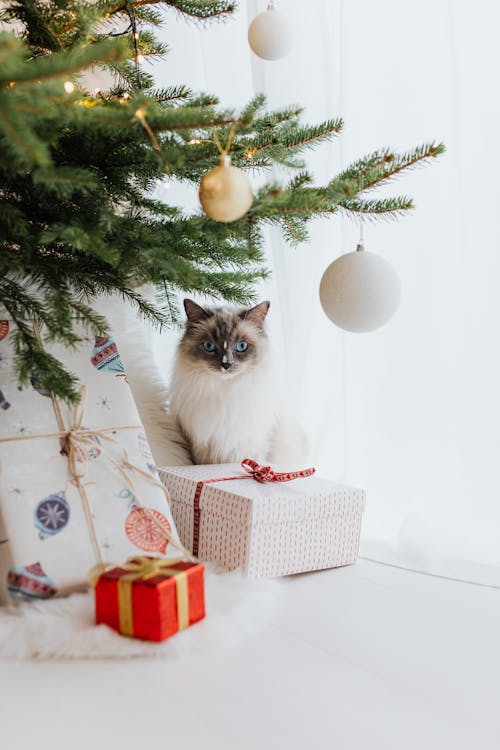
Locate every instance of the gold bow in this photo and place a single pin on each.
(148, 567)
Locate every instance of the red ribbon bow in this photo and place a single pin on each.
(266, 474)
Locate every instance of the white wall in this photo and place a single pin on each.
(412, 411)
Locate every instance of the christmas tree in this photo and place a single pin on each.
(78, 168)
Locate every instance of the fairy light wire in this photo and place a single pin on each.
(135, 45)
(141, 116)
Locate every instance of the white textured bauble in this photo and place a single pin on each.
(270, 36)
(225, 192)
(360, 291)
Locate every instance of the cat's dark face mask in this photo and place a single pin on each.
(222, 340)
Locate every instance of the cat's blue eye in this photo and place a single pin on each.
(209, 346)
(241, 346)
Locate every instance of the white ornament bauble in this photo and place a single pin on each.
(269, 35)
(225, 192)
(360, 291)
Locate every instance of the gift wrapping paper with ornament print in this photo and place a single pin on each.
(45, 542)
(267, 530)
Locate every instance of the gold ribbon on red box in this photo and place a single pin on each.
(143, 568)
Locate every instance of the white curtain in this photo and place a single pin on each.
(412, 411)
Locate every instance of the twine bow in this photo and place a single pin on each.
(144, 568)
(77, 438)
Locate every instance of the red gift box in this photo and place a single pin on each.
(150, 598)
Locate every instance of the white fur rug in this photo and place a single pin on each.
(64, 628)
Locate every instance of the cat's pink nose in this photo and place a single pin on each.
(227, 365)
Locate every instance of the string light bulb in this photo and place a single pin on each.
(140, 59)
(69, 87)
(194, 142)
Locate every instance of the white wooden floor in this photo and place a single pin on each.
(361, 657)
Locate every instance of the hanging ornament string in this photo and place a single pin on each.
(141, 116)
(224, 151)
(361, 243)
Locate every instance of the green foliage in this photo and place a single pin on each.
(203, 9)
(77, 171)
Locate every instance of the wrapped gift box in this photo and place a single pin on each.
(267, 529)
(150, 599)
(55, 526)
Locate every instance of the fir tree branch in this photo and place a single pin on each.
(383, 166)
(198, 9)
(173, 308)
(64, 64)
(31, 360)
(38, 32)
(389, 208)
(15, 127)
(295, 231)
(298, 138)
(172, 94)
(77, 216)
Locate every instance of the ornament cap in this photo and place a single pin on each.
(360, 247)
(225, 160)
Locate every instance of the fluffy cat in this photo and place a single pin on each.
(224, 398)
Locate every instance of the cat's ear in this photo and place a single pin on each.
(256, 314)
(195, 313)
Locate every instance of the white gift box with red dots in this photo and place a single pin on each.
(265, 529)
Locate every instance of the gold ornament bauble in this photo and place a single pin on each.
(225, 192)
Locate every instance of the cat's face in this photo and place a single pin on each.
(222, 340)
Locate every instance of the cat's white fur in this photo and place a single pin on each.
(228, 419)
(243, 417)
